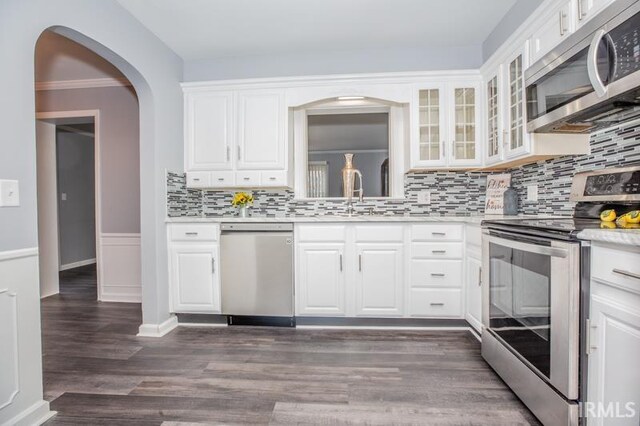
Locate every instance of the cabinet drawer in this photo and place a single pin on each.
(440, 303)
(616, 265)
(244, 179)
(436, 273)
(385, 233)
(273, 178)
(194, 232)
(436, 232)
(437, 250)
(221, 179)
(198, 179)
(320, 233)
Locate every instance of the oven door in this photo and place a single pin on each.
(531, 303)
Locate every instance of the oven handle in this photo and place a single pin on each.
(531, 248)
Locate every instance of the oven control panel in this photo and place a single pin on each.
(609, 185)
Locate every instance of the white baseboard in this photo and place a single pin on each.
(376, 327)
(77, 264)
(120, 268)
(36, 414)
(158, 330)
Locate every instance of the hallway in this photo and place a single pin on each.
(97, 371)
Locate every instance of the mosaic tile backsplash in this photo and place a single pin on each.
(452, 193)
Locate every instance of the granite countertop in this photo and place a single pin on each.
(615, 236)
(473, 219)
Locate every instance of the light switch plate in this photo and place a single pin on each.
(532, 193)
(424, 197)
(9, 193)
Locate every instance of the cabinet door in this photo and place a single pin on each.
(494, 135)
(320, 280)
(428, 134)
(379, 279)
(261, 130)
(473, 293)
(552, 32)
(587, 9)
(208, 130)
(514, 122)
(195, 279)
(614, 376)
(463, 125)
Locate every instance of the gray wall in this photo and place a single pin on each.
(368, 164)
(507, 25)
(76, 179)
(119, 153)
(155, 71)
(335, 62)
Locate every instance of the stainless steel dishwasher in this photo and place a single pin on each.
(257, 273)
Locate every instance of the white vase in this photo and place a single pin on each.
(244, 211)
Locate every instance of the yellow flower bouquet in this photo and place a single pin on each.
(242, 199)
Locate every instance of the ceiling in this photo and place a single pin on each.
(208, 29)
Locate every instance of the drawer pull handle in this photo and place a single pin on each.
(246, 178)
(220, 179)
(442, 234)
(272, 178)
(437, 304)
(438, 251)
(191, 234)
(340, 262)
(196, 179)
(360, 263)
(437, 274)
(626, 273)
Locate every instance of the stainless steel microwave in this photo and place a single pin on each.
(592, 79)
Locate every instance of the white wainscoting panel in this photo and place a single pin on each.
(9, 385)
(21, 401)
(119, 267)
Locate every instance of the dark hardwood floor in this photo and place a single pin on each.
(97, 372)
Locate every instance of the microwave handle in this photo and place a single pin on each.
(528, 247)
(592, 64)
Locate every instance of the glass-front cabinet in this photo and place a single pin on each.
(514, 128)
(493, 92)
(445, 133)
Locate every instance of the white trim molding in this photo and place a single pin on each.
(77, 264)
(36, 414)
(120, 268)
(158, 330)
(90, 83)
(9, 359)
(17, 254)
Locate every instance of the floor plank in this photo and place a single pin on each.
(98, 372)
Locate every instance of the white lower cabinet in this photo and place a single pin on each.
(194, 268)
(195, 278)
(321, 271)
(614, 337)
(473, 292)
(379, 280)
(380, 270)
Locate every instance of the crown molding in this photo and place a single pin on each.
(90, 83)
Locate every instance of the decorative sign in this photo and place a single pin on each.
(496, 185)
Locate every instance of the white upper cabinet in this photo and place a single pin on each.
(445, 121)
(515, 136)
(463, 125)
(559, 25)
(494, 133)
(209, 131)
(587, 9)
(235, 130)
(261, 130)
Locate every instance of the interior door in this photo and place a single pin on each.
(379, 279)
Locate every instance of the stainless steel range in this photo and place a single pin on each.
(536, 295)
